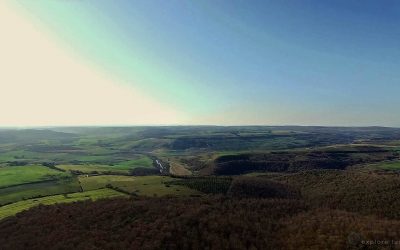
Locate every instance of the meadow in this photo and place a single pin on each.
(17, 175)
(40, 189)
(142, 185)
(393, 165)
(20, 206)
(92, 168)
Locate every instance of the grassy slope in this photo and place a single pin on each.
(143, 161)
(178, 169)
(141, 185)
(14, 208)
(89, 168)
(387, 165)
(119, 167)
(26, 174)
(28, 191)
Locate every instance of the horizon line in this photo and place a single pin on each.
(190, 125)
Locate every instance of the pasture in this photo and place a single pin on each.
(142, 161)
(92, 168)
(16, 175)
(140, 185)
(39, 189)
(394, 165)
(14, 208)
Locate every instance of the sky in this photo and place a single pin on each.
(214, 62)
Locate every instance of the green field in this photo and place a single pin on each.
(14, 208)
(142, 161)
(141, 185)
(118, 166)
(10, 176)
(395, 165)
(91, 168)
(33, 190)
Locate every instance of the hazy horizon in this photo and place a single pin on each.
(187, 125)
(135, 63)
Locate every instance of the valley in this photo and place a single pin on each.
(344, 171)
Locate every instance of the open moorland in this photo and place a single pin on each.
(198, 187)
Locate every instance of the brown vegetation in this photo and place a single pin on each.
(150, 223)
(195, 223)
(250, 187)
(298, 161)
(365, 193)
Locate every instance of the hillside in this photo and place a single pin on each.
(204, 187)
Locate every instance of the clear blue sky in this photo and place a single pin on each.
(240, 62)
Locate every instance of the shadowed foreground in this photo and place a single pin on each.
(191, 223)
